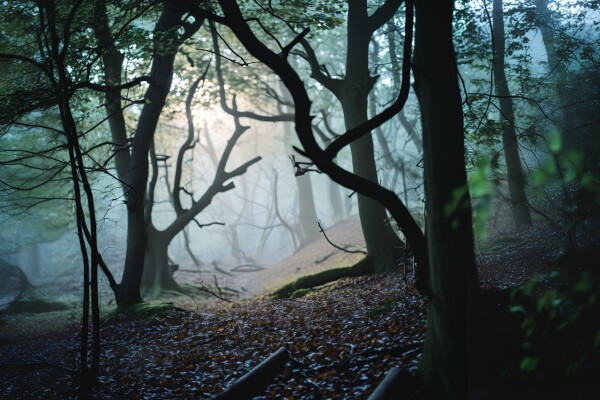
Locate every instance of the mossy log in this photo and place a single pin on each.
(363, 267)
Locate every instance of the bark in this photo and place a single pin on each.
(158, 272)
(383, 244)
(453, 278)
(516, 179)
(339, 207)
(161, 73)
(112, 60)
(82, 190)
(307, 215)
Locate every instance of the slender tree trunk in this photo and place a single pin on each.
(394, 60)
(556, 66)
(453, 278)
(338, 205)
(86, 228)
(307, 213)
(516, 179)
(383, 245)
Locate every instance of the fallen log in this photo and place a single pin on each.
(393, 385)
(258, 379)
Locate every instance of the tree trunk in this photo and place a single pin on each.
(516, 179)
(340, 208)
(453, 278)
(383, 245)
(556, 66)
(158, 273)
(130, 287)
(165, 47)
(307, 213)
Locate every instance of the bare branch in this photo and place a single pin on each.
(205, 225)
(344, 249)
(222, 96)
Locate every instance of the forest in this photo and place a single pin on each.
(294, 199)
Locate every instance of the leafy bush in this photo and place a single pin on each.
(561, 328)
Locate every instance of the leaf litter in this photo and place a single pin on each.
(343, 339)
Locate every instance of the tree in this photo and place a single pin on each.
(352, 91)
(516, 179)
(132, 160)
(48, 60)
(157, 272)
(453, 277)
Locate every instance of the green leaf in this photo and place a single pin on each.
(555, 141)
(529, 364)
(518, 309)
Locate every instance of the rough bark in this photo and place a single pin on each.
(516, 179)
(453, 278)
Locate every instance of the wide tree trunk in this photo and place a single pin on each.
(516, 179)
(158, 272)
(453, 278)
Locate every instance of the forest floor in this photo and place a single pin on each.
(344, 337)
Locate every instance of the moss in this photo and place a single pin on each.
(141, 311)
(363, 267)
(35, 306)
(300, 293)
(383, 308)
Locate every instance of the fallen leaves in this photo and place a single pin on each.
(341, 347)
